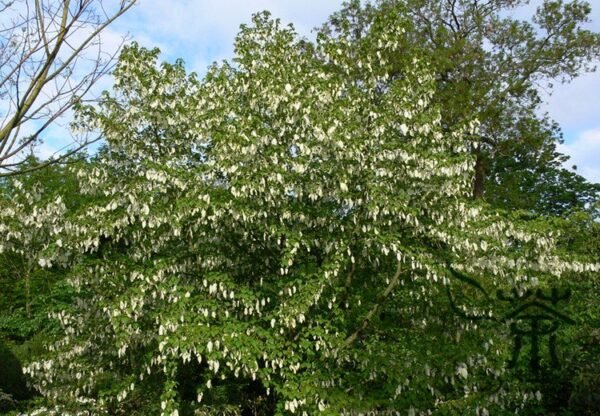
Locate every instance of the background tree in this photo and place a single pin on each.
(51, 54)
(572, 387)
(492, 67)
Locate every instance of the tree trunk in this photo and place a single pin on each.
(27, 295)
(28, 288)
(479, 182)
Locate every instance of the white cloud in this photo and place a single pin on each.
(45, 151)
(585, 154)
(203, 31)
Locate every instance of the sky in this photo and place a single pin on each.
(202, 31)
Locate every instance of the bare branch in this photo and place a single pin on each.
(12, 169)
(41, 27)
(45, 64)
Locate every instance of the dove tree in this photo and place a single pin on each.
(277, 238)
(32, 210)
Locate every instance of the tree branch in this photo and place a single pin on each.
(34, 66)
(382, 297)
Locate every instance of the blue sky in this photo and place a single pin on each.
(202, 31)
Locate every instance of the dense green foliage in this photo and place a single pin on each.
(31, 292)
(491, 66)
(296, 232)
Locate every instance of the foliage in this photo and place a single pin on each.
(278, 236)
(492, 66)
(573, 389)
(28, 291)
(30, 208)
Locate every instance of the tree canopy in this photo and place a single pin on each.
(295, 233)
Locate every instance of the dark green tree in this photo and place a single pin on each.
(492, 67)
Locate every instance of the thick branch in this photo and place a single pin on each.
(382, 297)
